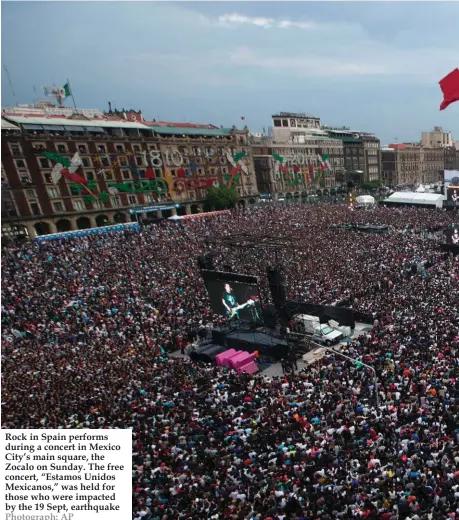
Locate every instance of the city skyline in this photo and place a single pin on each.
(372, 67)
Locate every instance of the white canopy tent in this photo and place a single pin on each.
(365, 199)
(420, 199)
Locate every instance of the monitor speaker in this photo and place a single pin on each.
(276, 286)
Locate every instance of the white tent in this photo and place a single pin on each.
(410, 197)
(365, 199)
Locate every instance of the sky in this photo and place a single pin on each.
(372, 66)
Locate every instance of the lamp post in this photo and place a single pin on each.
(355, 361)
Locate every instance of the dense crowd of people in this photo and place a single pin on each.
(88, 323)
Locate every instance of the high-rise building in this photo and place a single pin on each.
(122, 162)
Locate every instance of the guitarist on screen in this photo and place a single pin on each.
(230, 303)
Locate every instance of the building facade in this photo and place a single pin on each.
(451, 157)
(119, 163)
(291, 170)
(362, 155)
(412, 164)
(437, 138)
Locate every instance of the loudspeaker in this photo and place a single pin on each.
(276, 286)
(218, 336)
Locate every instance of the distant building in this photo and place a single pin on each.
(410, 164)
(362, 154)
(437, 138)
(451, 156)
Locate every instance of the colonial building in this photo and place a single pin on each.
(110, 164)
(412, 164)
(451, 157)
(291, 170)
(432, 164)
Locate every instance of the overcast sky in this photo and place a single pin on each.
(372, 66)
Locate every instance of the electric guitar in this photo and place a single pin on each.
(235, 310)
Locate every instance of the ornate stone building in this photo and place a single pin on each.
(110, 164)
(292, 170)
(412, 164)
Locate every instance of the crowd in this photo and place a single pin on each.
(88, 323)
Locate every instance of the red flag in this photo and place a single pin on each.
(150, 173)
(74, 177)
(450, 87)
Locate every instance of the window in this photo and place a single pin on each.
(34, 207)
(116, 201)
(119, 148)
(86, 162)
(284, 122)
(136, 148)
(277, 122)
(139, 161)
(89, 175)
(44, 163)
(20, 164)
(105, 161)
(15, 149)
(101, 148)
(78, 205)
(58, 206)
(122, 160)
(30, 194)
(132, 199)
(61, 148)
(82, 148)
(53, 193)
(26, 180)
(126, 174)
(109, 175)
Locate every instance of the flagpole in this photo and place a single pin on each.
(71, 93)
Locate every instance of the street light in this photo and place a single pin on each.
(355, 361)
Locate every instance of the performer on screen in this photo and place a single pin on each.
(230, 303)
(455, 196)
(455, 237)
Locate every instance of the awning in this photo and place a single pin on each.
(7, 125)
(95, 129)
(32, 127)
(54, 128)
(74, 128)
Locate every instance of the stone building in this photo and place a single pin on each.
(121, 163)
(412, 164)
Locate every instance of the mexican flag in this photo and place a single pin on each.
(66, 90)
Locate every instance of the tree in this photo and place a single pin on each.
(223, 197)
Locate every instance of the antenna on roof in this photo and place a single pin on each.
(11, 85)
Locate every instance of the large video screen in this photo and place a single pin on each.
(232, 298)
(452, 195)
(451, 177)
(452, 235)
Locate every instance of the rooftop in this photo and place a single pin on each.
(295, 115)
(181, 130)
(56, 121)
(180, 125)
